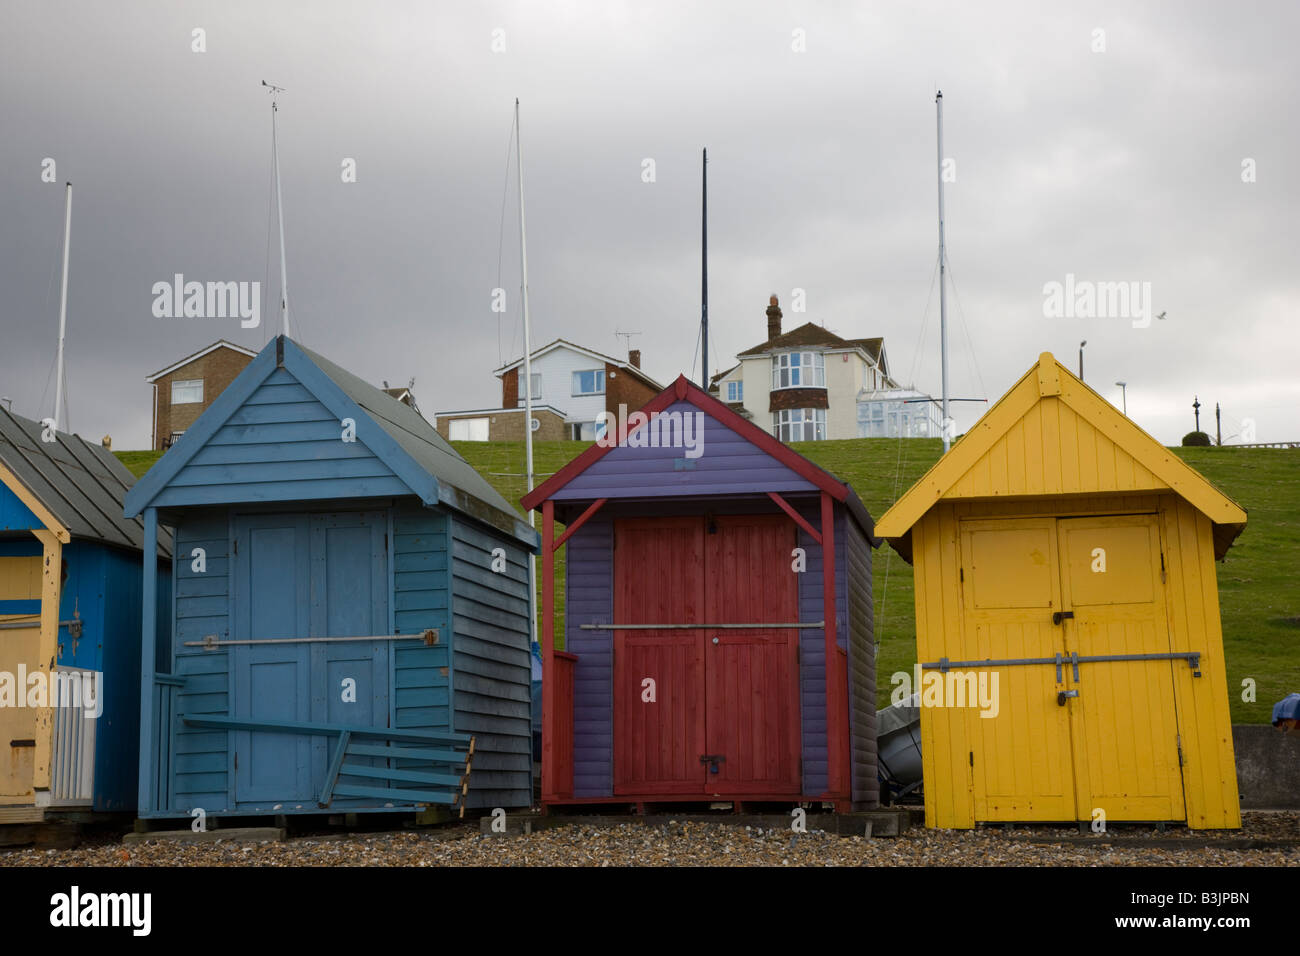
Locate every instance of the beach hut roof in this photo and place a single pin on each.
(70, 485)
(421, 459)
(1053, 435)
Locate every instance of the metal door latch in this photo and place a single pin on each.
(1065, 695)
(1059, 616)
(713, 760)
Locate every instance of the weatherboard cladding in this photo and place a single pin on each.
(276, 435)
(728, 464)
(82, 484)
(589, 599)
(492, 670)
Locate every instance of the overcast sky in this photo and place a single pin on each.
(1122, 164)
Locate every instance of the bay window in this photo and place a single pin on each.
(800, 424)
(798, 370)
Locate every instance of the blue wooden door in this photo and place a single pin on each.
(306, 576)
(272, 681)
(349, 598)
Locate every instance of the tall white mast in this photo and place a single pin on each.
(279, 206)
(528, 363)
(943, 265)
(528, 341)
(63, 308)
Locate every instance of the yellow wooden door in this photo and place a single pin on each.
(1020, 761)
(1123, 723)
(20, 580)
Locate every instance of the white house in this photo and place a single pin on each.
(571, 386)
(809, 384)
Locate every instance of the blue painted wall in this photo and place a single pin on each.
(281, 444)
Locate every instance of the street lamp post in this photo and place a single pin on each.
(1124, 393)
(1081, 345)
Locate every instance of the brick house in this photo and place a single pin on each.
(183, 390)
(571, 387)
(810, 384)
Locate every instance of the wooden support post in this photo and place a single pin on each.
(47, 658)
(148, 645)
(550, 785)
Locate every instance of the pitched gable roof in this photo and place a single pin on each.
(591, 353)
(1051, 435)
(78, 486)
(219, 344)
(811, 334)
(684, 390)
(399, 436)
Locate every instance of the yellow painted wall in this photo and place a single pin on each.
(20, 580)
(1190, 606)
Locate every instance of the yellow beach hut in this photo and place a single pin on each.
(1064, 565)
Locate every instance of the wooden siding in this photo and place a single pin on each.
(421, 677)
(1192, 608)
(200, 760)
(589, 599)
(856, 574)
(281, 443)
(589, 588)
(491, 667)
(728, 464)
(1053, 450)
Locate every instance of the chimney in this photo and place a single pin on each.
(634, 358)
(773, 319)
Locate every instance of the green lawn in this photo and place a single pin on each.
(1258, 590)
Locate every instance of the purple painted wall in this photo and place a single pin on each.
(589, 590)
(728, 464)
(730, 476)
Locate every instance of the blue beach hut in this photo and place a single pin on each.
(352, 607)
(70, 621)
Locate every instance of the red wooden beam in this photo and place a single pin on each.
(550, 787)
(582, 519)
(798, 518)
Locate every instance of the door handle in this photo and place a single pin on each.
(1059, 616)
(1065, 695)
(715, 640)
(713, 760)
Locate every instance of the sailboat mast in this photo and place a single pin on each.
(528, 335)
(943, 293)
(63, 307)
(704, 275)
(279, 206)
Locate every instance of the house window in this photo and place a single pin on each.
(587, 431)
(187, 393)
(589, 382)
(173, 438)
(798, 370)
(800, 424)
(537, 385)
(735, 391)
(468, 429)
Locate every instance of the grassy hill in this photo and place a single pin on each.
(1258, 588)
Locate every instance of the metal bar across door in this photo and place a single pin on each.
(429, 636)
(697, 627)
(1193, 659)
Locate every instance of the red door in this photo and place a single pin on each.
(659, 579)
(726, 693)
(752, 675)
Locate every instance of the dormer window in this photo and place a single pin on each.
(798, 370)
(735, 392)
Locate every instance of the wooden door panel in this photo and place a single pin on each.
(659, 574)
(1124, 722)
(752, 675)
